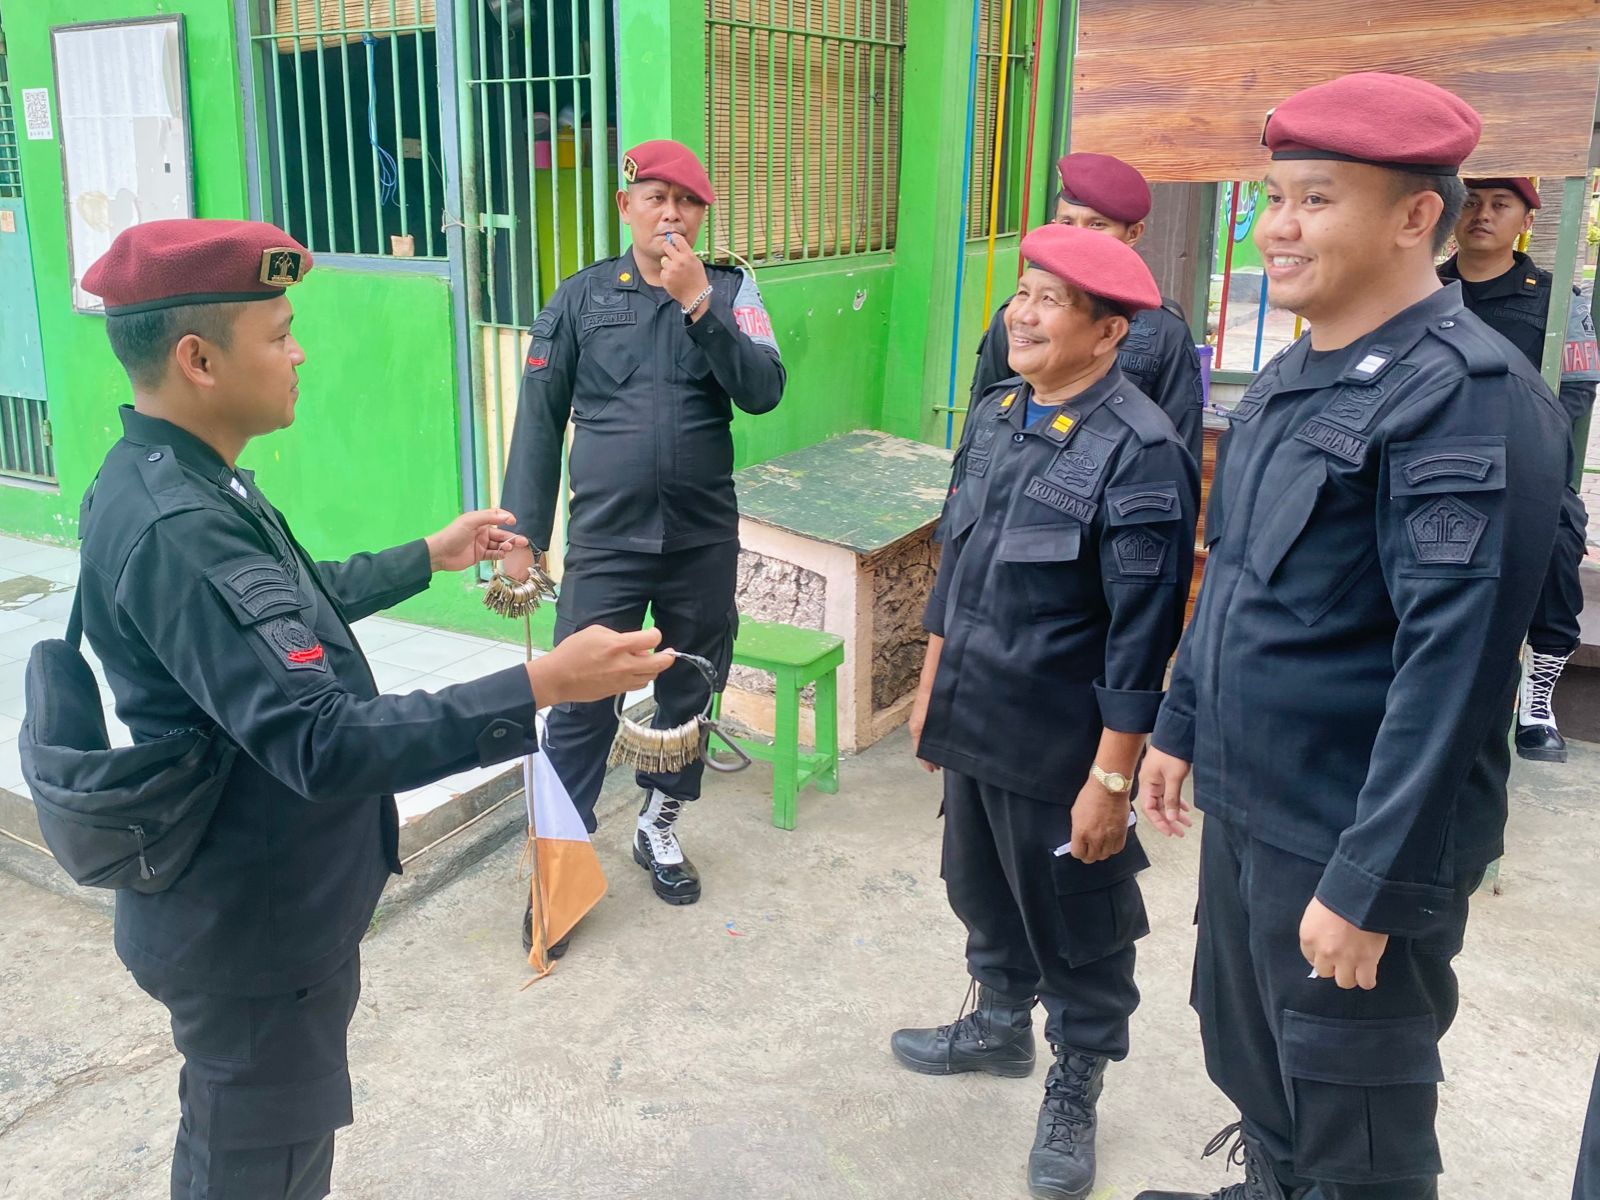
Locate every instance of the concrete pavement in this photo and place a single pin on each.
(737, 1049)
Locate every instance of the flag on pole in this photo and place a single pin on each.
(566, 879)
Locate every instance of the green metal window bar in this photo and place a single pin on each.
(354, 129)
(10, 164)
(803, 114)
(1018, 53)
(25, 443)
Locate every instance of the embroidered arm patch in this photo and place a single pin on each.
(750, 314)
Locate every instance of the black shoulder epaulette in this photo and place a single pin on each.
(1142, 415)
(1479, 347)
(171, 490)
(1176, 309)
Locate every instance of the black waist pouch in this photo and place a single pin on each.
(126, 817)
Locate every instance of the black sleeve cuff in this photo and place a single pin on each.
(1174, 733)
(1127, 711)
(514, 732)
(1380, 905)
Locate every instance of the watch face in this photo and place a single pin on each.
(1113, 782)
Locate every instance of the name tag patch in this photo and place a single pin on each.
(595, 320)
(1340, 443)
(1045, 492)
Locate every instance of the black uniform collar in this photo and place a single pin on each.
(627, 272)
(1077, 410)
(1523, 279)
(1366, 359)
(141, 429)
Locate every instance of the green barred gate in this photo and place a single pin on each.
(387, 126)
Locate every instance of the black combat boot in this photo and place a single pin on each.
(1260, 1182)
(656, 849)
(556, 951)
(1538, 738)
(995, 1034)
(1061, 1166)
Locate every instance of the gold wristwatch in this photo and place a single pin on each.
(1113, 782)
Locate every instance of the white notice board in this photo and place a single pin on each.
(122, 100)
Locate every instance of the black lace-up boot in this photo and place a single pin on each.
(656, 849)
(1061, 1166)
(994, 1033)
(1260, 1183)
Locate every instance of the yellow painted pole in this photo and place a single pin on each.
(1524, 239)
(999, 139)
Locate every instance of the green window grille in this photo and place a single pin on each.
(10, 165)
(352, 123)
(803, 114)
(1018, 54)
(25, 444)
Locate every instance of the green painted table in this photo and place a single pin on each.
(837, 537)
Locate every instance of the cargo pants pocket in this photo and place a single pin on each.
(1364, 1095)
(1097, 924)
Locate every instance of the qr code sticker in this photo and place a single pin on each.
(36, 113)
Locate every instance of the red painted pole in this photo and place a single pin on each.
(1033, 110)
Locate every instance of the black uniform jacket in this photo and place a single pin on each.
(1379, 527)
(1517, 307)
(650, 397)
(1158, 357)
(206, 613)
(1061, 587)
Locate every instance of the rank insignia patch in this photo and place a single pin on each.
(261, 586)
(1445, 532)
(1062, 423)
(1140, 554)
(1010, 399)
(292, 640)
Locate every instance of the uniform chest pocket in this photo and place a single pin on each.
(607, 359)
(692, 360)
(1307, 556)
(1043, 560)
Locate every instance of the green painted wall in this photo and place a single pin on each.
(83, 381)
(372, 457)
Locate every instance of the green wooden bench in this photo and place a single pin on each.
(795, 658)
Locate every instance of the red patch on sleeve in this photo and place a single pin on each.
(310, 655)
(753, 321)
(536, 363)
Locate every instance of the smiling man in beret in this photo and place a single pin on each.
(1106, 195)
(1382, 517)
(1068, 541)
(1504, 287)
(645, 355)
(209, 616)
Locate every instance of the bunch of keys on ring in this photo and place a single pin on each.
(519, 597)
(662, 751)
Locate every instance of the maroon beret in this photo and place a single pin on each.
(1108, 185)
(162, 264)
(671, 162)
(1092, 262)
(1371, 117)
(1520, 184)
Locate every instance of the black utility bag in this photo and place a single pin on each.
(128, 817)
